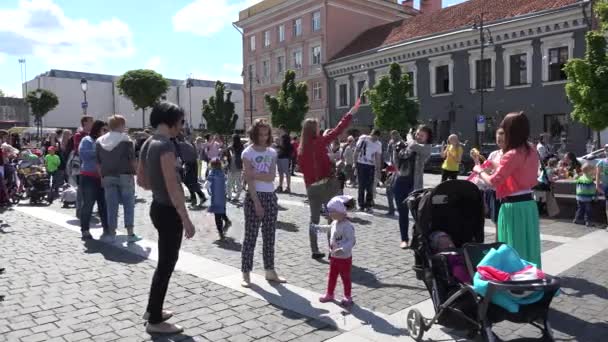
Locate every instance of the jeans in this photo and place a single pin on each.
(583, 212)
(390, 195)
(170, 230)
(319, 195)
(57, 178)
(402, 188)
(92, 192)
(220, 219)
(366, 175)
(78, 195)
(120, 189)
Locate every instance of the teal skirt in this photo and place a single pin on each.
(518, 227)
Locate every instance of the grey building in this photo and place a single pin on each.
(522, 66)
(13, 112)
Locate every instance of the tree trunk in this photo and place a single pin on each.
(143, 118)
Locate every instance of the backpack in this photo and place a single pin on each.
(74, 163)
(68, 195)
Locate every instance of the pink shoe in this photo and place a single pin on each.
(347, 302)
(326, 299)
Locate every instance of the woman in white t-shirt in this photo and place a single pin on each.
(261, 208)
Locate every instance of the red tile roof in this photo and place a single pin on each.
(448, 19)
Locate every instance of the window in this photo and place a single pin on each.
(316, 55)
(280, 64)
(343, 95)
(316, 21)
(266, 69)
(442, 79)
(316, 91)
(411, 93)
(555, 125)
(519, 69)
(557, 60)
(252, 43)
(297, 59)
(483, 72)
(360, 89)
(297, 27)
(281, 33)
(266, 38)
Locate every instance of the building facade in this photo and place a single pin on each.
(527, 43)
(302, 35)
(104, 99)
(13, 112)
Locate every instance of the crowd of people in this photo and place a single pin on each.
(106, 164)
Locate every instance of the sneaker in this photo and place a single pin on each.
(279, 190)
(227, 225)
(326, 299)
(271, 275)
(369, 210)
(404, 245)
(166, 315)
(134, 238)
(346, 302)
(86, 235)
(288, 191)
(246, 282)
(318, 255)
(589, 225)
(164, 328)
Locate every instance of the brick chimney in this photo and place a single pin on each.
(408, 3)
(428, 6)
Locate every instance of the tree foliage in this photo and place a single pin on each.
(1, 93)
(143, 87)
(41, 102)
(390, 101)
(587, 87)
(290, 105)
(219, 111)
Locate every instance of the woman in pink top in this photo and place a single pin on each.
(513, 180)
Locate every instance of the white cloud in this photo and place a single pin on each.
(229, 73)
(207, 17)
(41, 29)
(153, 63)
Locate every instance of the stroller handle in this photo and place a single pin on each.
(548, 284)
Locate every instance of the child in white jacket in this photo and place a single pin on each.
(341, 242)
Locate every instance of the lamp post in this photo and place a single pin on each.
(23, 67)
(485, 37)
(84, 85)
(189, 84)
(250, 96)
(38, 118)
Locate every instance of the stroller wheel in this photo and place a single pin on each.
(416, 324)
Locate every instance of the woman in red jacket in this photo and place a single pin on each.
(319, 176)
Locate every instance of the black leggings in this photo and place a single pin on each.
(170, 230)
(219, 223)
(448, 175)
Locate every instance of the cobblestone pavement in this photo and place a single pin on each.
(58, 288)
(383, 281)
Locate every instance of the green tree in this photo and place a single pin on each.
(587, 87)
(390, 101)
(41, 102)
(290, 105)
(143, 87)
(219, 111)
(1, 93)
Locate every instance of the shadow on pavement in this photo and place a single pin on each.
(583, 287)
(228, 243)
(178, 337)
(132, 254)
(364, 277)
(287, 226)
(359, 221)
(287, 296)
(377, 323)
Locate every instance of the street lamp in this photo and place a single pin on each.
(38, 118)
(485, 39)
(23, 69)
(189, 84)
(84, 85)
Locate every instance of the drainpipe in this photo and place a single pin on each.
(250, 76)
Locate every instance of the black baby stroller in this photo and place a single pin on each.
(456, 208)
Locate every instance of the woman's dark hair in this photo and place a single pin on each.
(237, 144)
(428, 131)
(207, 137)
(98, 125)
(254, 131)
(574, 163)
(166, 113)
(517, 131)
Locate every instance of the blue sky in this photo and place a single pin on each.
(174, 37)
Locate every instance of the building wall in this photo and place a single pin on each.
(13, 112)
(537, 100)
(104, 100)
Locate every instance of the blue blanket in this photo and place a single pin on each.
(506, 259)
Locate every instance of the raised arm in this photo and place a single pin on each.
(342, 125)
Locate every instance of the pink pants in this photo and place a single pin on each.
(343, 268)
